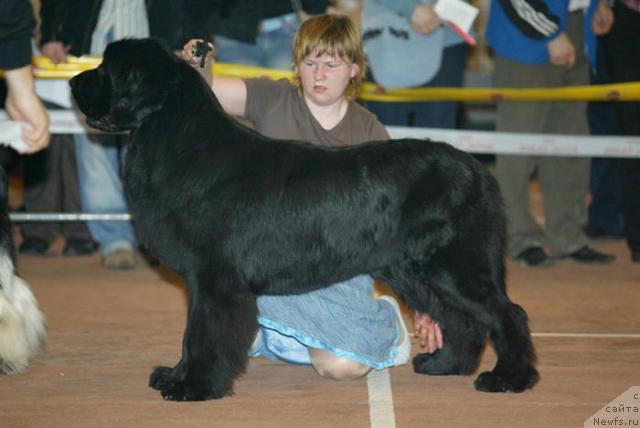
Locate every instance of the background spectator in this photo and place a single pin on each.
(605, 209)
(22, 103)
(545, 49)
(624, 48)
(86, 27)
(446, 47)
(256, 32)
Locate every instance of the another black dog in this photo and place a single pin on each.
(238, 215)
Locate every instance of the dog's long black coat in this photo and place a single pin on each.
(239, 215)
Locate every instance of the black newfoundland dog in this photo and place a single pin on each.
(239, 215)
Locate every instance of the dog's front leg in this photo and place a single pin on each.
(221, 325)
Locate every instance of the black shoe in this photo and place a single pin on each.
(534, 257)
(33, 246)
(635, 256)
(597, 232)
(588, 255)
(79, 247)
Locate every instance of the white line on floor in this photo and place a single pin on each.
(381, 413)
(590, 335)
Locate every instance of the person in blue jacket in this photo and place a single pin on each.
(546, 43)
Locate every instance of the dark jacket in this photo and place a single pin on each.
(240, 19)
(16, 30)
(73, 22)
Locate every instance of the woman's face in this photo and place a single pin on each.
(325, 78)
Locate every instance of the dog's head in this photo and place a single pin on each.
(132, 81)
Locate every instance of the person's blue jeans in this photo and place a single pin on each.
(440, 114)
(272, 49)
(99, 160)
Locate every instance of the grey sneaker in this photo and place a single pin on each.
(123, 258)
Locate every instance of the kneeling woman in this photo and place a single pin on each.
(342, 330)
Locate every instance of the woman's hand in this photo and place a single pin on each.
(195, 59)
(428, 332)
(22, 104)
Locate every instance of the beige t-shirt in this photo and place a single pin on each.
(277, 110)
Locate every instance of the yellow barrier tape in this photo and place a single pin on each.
(45, 69)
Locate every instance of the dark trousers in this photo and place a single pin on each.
(51, 185)
(605, 210)
(623, 43)
(564, 180)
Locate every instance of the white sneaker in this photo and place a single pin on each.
(257, 344)
(404, 345)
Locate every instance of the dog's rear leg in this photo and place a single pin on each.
(514, 370)
(481, 297)
(508, 329)
(221, 325)
(463, 342)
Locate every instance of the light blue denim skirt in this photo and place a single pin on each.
(343, 319)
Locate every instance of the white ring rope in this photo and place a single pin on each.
(66, 122)
(479, 142)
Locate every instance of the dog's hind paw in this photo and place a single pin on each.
(160, 377)
(439, 363)
(495, 382)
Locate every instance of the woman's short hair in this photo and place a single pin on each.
(334, 35)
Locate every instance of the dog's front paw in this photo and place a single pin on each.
(175, 388)
(191, 391)
(496, 382)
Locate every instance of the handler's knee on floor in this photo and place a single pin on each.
(331, 367)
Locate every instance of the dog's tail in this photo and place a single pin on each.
(22, 325)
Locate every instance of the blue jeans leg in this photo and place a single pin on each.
(101, 190)
(272, 49)
(277, 47)
(236, 52)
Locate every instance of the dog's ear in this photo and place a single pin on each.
(142, 73)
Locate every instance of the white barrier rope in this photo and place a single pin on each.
(66, 217)
(66, 122)
(506, 143)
